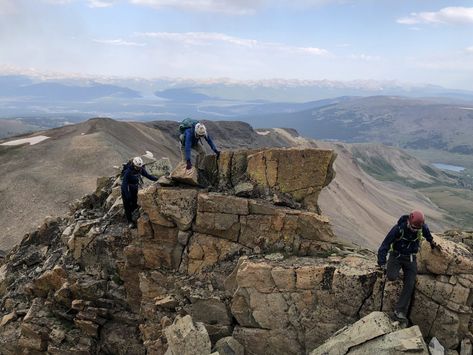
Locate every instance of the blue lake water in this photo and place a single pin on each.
(449, 167)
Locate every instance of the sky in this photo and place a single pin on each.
(410, 41)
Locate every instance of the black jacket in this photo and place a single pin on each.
(402, 240)
(132, 178)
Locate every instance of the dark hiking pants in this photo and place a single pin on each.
(409, 268)
(130, 204)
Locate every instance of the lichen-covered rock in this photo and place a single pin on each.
(301, 173)
(298, 173)
(453, 258)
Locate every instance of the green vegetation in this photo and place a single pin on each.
(430, 170)
(456, 201)
(442, 156)
(450, 191)
(382, 170)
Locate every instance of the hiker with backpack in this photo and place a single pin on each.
(131, 181)
(191, 132)
(402, 243)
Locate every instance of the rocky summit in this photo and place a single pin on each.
(244, 263)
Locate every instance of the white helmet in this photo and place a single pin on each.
(138, 162)
(200, 130)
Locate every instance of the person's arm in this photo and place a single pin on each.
(125, 183)
(148, 175)
(384, 248)
(212, 145)
(188, 143)
(426, 233)
(428, 236)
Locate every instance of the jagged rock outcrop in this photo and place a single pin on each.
(273, 173)
(252, 269)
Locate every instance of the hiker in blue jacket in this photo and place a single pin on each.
(191, 133)
(131, 180)
(403, 242)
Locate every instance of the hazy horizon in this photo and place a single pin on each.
(410, 42)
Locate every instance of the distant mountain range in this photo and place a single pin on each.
(397, 121)
(142, 99)
(423, 118)
(24, 87)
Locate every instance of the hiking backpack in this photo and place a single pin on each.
(187, 123)
(125, 166)
(400, 222)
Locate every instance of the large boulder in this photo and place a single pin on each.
(169, 206)
(443, 298)
(453, 258)
(299, 174)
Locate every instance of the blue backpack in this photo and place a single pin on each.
(187, 123)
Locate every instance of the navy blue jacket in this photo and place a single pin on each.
(403, 240)
(131, 180)
(190, 141)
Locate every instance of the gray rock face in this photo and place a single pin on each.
(187, 338)
(466, 347)
(229, 346)
(435, 348)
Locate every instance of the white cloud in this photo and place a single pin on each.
(469, 50)
(365, 57)
(235, 7)
(447, 15)
(101, 3)
(239, 7)
(58, 2)
(199, 38)
(90, 3)
(232, 7)
(119, 42)
(210, 38)
(7, 7)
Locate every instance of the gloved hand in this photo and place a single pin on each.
(217, 153)
(434, 246)
(188, 165)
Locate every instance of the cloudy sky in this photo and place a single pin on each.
(414, 41)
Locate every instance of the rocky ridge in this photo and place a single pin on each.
(248, 257)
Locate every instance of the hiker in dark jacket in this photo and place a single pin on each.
(191, 139)
(403, 242)
(131, 181)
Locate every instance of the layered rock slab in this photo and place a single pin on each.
(374, 334)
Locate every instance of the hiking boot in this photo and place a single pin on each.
(399, 315)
